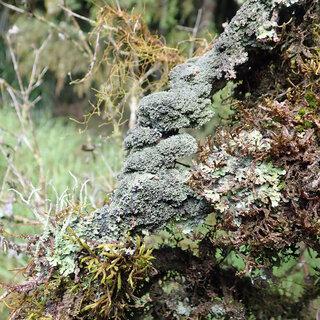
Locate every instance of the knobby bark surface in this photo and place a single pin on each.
(152, 188)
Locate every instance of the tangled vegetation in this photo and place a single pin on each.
(262, 173)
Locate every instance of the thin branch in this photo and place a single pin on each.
(33, 79)
(195, 32)
(93, 61)
(15, 65)
(12, 7)
(6, 293)
(71, 13)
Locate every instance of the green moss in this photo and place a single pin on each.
(312, 100)
(102, 285)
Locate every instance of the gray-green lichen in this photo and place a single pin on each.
(64, 254)
(150, 198)
(152, 187)
(66, 245)
(140, 137)
(163, 155)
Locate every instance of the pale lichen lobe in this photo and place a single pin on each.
(234, 182)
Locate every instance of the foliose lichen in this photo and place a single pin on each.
(232, 181)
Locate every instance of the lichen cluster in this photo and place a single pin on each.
(233, 182)
(261, 174)
(152, 188)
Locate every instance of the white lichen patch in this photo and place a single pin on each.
(235, 181)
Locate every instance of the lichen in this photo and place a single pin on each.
(152, 188)
(163, 155)
(155, 146)
(151, 199)
(233, 182)
(140, 137)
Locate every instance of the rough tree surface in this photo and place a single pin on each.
(152, 187)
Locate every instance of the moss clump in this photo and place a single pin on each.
(102, 286)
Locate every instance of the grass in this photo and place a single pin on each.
(60, 144)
